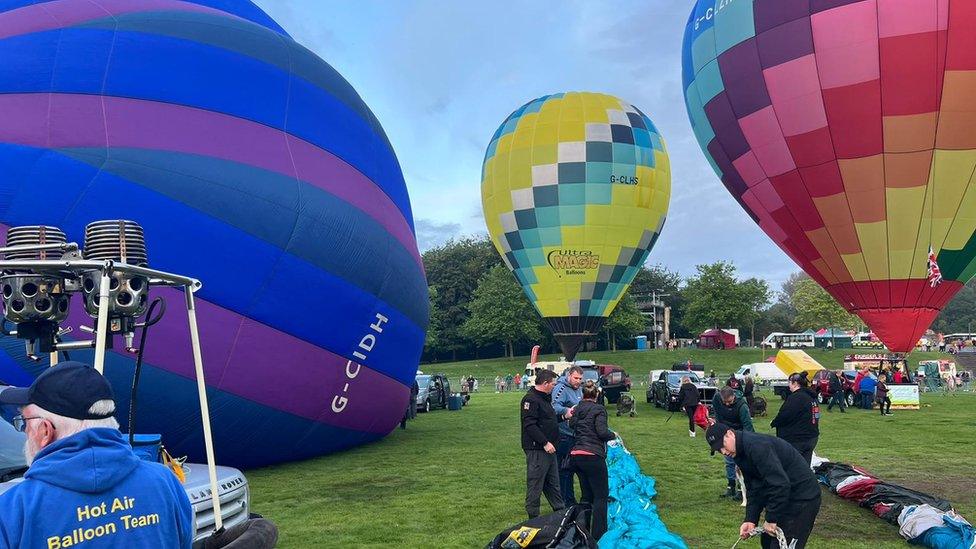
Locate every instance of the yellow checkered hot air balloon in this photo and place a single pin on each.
(575, 189)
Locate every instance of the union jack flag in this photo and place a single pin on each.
(935, 274)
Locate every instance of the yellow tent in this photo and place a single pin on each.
(791, 362)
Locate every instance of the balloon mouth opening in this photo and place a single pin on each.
(571, 332)
(899, 329)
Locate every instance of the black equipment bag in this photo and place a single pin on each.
(564, 529)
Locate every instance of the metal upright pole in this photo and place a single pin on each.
(204, 407)
(101, 331)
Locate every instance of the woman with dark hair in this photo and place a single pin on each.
(798, 420)
(688, 400)
(589, 455)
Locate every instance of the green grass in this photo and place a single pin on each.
(455, 479)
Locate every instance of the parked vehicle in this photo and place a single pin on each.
(688, 366)
(651, 378)
(821, 386)
(663, 393)
(234, 490)
(434, 390)
(768, 372)
(780, 340)
(556, 366)
(614, 381)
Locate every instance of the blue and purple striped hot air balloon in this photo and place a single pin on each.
(252, 165)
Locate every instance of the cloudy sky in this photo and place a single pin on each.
(441, 75)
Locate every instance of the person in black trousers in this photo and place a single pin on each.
(589, 455)
(540, 434)
(777, 479)
(688, 400)
(882, 395)
(411, 412)
(838, 395)
(798, 420)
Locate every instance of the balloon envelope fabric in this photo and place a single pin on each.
(575, 189)
(631, 513)
(845, 129)
(252, 165)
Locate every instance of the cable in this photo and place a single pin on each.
(150, 321)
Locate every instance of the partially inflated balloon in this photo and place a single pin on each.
(847, 130)
(575, 189)
(251, 164)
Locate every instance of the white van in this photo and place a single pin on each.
(557, 366)
(768, 372)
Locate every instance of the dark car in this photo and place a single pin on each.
(614, 381)
(821, 385)
(664, 390)
(433, 391)
(688, 366)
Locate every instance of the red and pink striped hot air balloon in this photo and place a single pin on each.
(847, 130)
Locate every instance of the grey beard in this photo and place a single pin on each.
(30, 451)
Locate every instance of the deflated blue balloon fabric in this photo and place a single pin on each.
(632, 516)
(954, 535)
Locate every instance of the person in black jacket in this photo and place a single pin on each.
(589, 455)
(540, 434)
(838, 395)
(778, 481)
(411, 412)
(732, 410)
(798, 420)
(688, 399)
(749, 392)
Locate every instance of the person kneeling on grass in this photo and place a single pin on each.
(777, 479)
(589, 455)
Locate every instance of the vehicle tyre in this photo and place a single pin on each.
(427, 405)
(823, 398)
(650, 400)
(850, 400)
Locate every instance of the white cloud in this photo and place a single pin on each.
(442, 75)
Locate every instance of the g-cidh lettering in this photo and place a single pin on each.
(710, 12)
(366, 344)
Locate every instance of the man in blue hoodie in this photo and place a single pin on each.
(84, 484)
(868, 386)
(566, 395)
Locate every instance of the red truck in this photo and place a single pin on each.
(821, 385)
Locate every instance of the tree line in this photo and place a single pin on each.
(478, 309)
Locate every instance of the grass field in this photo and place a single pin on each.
(455, 479)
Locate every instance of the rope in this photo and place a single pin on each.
(780, 537)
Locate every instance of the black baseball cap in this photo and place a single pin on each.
(715, 435)
(68, 389)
